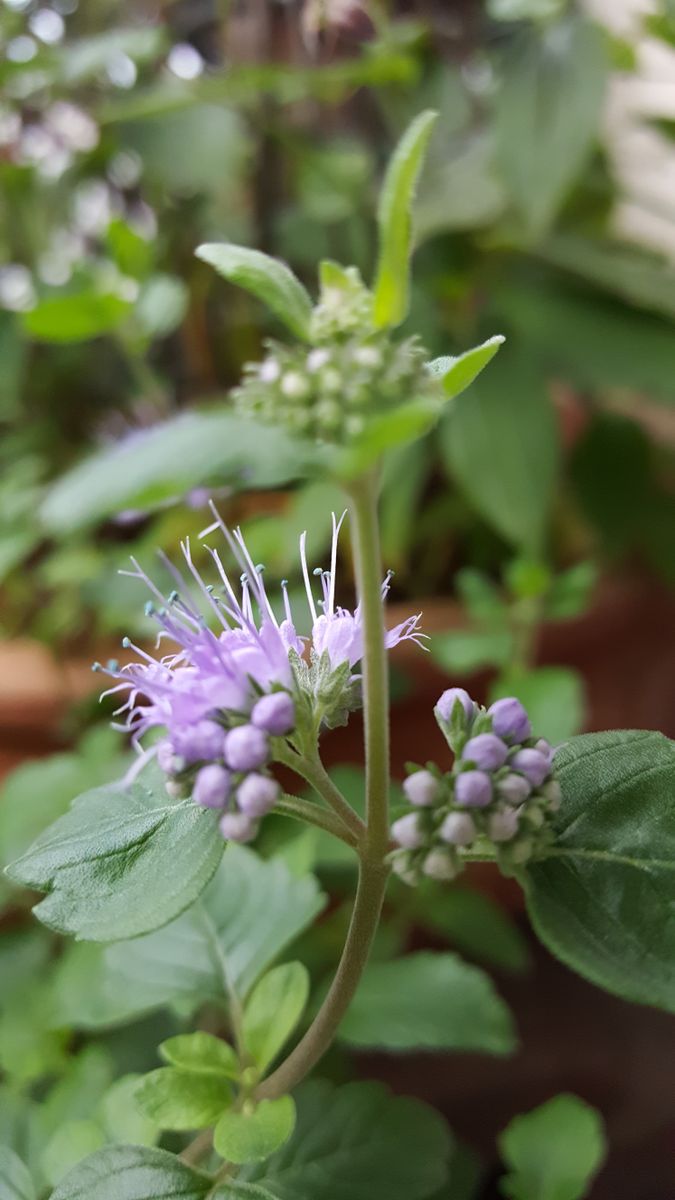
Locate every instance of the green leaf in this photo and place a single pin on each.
(132, 1173)
(202, 1053)
(553, 697)
(570, 593)
(161, 306)
(267, 278)
(553, 1151)
(247, 1137)
(405, 423)
(602, 899)
(500, 443)
(176, 1099)
(75, 318)
(247, 915)
(547, 114)
(120, 1116)
(458, 373)
(77, 1093)
(123, 861)
(273, 1010)
(15, 1180)
(642, 279)
(428, 1000)
(462, 651)
(356, 1143)
(68, 1145)
(475, 924)
(163, 463)
(390, 290)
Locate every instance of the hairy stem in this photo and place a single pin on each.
(314, 773)
(304, 810)
(373, 846)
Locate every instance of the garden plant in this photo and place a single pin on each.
(181, 892)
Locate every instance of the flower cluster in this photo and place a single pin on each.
(236, 682)
(497, 797)
(328, 393)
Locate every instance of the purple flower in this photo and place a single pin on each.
(275, 714)
(458, 829)
(486, 750)
(257, 794)
(509, 719)
(246, 748)
(237, 827)
(532, 764)
(212, 786)
(545, 748)
(406, 831)
(200, 742)
(473, 789)
(421, 788)
(447, 702)
(513, 788)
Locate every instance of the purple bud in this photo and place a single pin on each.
(237, 827)
(257, 794)
(446, 703)
(407, 833)
(545, 748)
(199, 742)
(274, 714)
(486, 750)
(166, 757)
(513, 788)
(473, 789)
(212, 786)
(502, 826)
(509, 719)
(458, 829)
(441, 865)
(246, 748)
(421, 788)
(532, 764)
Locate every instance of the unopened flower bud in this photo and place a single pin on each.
(274, 714)
(486, 750)
(294, 386)
(532, 764)
(199, 742)
(406, 831)
(447, 701)
(212, 786)
(473, 789)
(421, 788)
(441, 865)
(246, 748)
(257, 794)
(237, 827)
(509, 719)
(513, 788)
(400, 865)
(545, 748)
(502, 826)
(174, 789)
(458, 829)
(166, 757)
(269, 371)
(316, 359)
(552, 792)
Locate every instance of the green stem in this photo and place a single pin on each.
(304, 810)
(314, 773)
(374, 845)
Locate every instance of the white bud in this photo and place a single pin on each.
(407, 833)
(269, 371)
(400, 865)
(368, 356)
(441, 865)
(331, 380)
(513, 788)
(316, 359)
(173, 789)
(502, 826)
(295, 386)
(459, 829)
(422, 788)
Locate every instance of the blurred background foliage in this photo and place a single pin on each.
(131, 132)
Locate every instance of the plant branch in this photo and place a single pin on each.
(314, 773)
(305, 810)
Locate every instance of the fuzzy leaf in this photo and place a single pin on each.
(267, 278)
(121, 862)
(132, 1173)
(390, 290)
(553, 1151)
(428, 1000)
(202, 1053)
(273, 1010)
(459, 372)
(176, 1099)
(245, 1137)
(603, 898)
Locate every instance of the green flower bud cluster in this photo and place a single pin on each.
(330, 392)
(497, 800)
